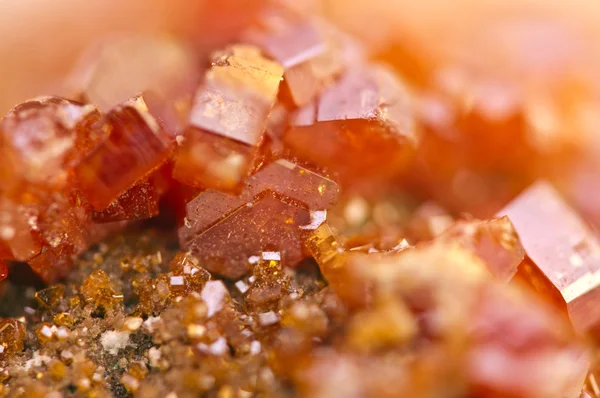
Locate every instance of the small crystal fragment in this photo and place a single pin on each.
(228, 119)
(268, 318)
(214, 295)
(98, 290)
(563, 254)
(12, 335)
(50, 296)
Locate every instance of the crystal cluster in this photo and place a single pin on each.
(287, 215)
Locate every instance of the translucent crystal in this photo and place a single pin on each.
(360, 127)
(268, 215)
(137, 203)
(136, 145)
(228, 119)
(311, 52)
(563, 253)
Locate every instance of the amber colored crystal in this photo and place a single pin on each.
(360, 127)
(228, 119)
(99, 291)
(311, 52)
(270, 282)
(187, 267)
(561, 247)
(12, 336)
(495, 241)
(137, 203)
(136, 145)
(50, 296)
(270, 215)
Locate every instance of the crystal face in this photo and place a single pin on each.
(228, 119)
(562, 249)
(41, 138)
(272, 213)
(135, 146)
(363, 125)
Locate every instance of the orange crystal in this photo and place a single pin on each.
(228, 119)
(164, 69)
(18, 240)
(494, 241)
(361, 127)
(40, 139)
(137, 203)
(136, 145)
(270, 215)
(563, 254)
(311, 52)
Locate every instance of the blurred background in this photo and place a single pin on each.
(39, 40)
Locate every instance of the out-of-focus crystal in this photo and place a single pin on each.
(41, 138)
(494, 241)
(165, 70)
(563, 254)
(360, 127)
(311, 52)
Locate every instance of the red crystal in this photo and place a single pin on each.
(136, 145)
(563, 254)
(225, 230)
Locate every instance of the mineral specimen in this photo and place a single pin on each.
(562, 252)
(228, 119)
(279, 203)
(362, 126)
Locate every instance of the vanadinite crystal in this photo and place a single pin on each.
(228, 119)
(279, 204)
(361, 127)
(563, 255)
(263, 208)
(312, 53)
(135, 146)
